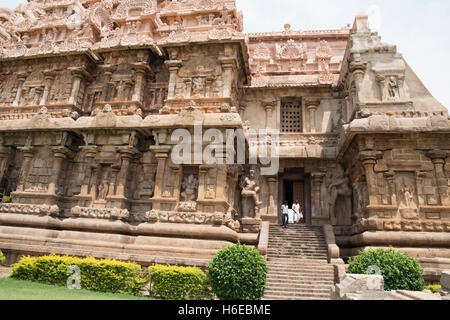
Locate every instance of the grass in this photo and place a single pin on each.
(12, 289)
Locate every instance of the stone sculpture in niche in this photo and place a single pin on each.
(189, 189)
(393, 88)
(250, 197)
(339, 188)
(103, 187)
(407, 200)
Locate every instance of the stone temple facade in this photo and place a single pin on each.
(92, 91)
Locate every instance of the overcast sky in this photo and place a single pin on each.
(419, 28)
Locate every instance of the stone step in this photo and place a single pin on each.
(276, 250)
(299, 267)
(306, 274)
(293, 292)
(271, 298)
(299, 296)
(300, 282)
(300, 287)
(301, 278)
(309, 257)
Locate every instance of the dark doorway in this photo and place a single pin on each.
(289, 192)
(294, 190)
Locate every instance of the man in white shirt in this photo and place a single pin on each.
(285, 214)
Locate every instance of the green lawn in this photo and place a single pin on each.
(11, 289)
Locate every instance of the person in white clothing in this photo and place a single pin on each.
(296, 208)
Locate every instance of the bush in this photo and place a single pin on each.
(98, 275)
(400, 271)
(179, 283)
(2, 258)
(434, 288)
(238, 273)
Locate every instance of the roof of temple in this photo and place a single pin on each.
(297, 58)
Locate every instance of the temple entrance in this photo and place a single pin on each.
(294, 185)
(294, 190)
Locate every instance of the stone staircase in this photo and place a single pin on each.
(298, 266)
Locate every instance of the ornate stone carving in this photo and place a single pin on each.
(291, 51)
(100, 213)
(31, 209)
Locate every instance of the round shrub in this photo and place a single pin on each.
(179, 283)
(238, 273)
(2, 258)
(400, 271)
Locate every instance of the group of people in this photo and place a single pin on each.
(296, 211)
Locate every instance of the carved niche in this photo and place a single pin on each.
(407, 195)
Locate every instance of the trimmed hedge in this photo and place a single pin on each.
(179, 283)
(2, 258)
(434, 288)
(98, 275)
(399, 270)
(238, 273)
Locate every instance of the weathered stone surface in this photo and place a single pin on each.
(357, 283)
(445, 280)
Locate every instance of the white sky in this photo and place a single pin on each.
(419, 28)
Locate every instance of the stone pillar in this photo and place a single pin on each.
(420, 177)
(269, 106)
(48, 76)
(126, 154)
(203, 171)
(28, 155)
(228, 66)
(138, 86)
(316, 184)
(112, 183)
(161, 154)
(242, 108)
(21, 80)
(107, 78)
(272, 208)
(311, 106)
(174, 66)
(438, 157)
(369, 159)
(90, 151)
(221, 181)
(60, 153)
(391, 183)
(383, 88)
(78, 74)
(358, 69)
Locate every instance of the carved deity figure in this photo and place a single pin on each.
(407, 197)
(250, 190)
(189, 187)
(197, 87)
(338, 187)
(393, 87)
(103, 188)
